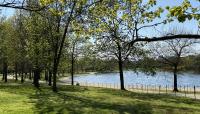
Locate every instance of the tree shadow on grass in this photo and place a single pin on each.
(62, 103)
(77, 100)
(164, 97)
(156, 97)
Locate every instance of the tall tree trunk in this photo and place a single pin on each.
(175, 79)
(56, 58)
(26, 75)
(72, 66)
(16, 71)
(36, 78)
(3, 77)
(46, 76)
(54, 87)
(5, 71)
(22, 73)
(120, 62)
(59, 48)
(50, 78)
(30, 75)
(72, 70)
(22, 77)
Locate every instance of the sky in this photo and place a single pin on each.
(191, 26)
(7, 12)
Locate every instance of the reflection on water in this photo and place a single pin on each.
(130, 77)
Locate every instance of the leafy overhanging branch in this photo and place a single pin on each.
(21, 5)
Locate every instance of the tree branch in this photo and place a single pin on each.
(15, 5)
(163, 38)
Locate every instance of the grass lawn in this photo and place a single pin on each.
(25, 99)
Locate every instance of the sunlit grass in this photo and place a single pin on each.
(19, 99)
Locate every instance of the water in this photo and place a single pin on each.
(130, 77)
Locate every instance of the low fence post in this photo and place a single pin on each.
(185, 89)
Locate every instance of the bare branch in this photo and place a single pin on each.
(163, 38)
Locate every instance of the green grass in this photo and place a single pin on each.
(25, 99)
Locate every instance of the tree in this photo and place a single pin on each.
(182, 12)
(75, 45)
(38, 44)
(119, 23)
(22, 44)
(171, 52)
(64, 12)
(6, 36)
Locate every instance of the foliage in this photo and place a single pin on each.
(97, 32)
(185, 11)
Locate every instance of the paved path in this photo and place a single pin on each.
(67, 81)
(139, 89)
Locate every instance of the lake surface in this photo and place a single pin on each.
(130, 77)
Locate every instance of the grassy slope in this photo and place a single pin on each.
(25, 99)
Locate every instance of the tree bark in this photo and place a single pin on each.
(36, 78)
(175, 79)
(72, 69)
(54, 87)
(46, 76)
(5, 71)
(22, 77)
(16, 71)
(120, 62)
(22, 73)
(55, 69)
(30, 75)
(3, 77)
(72, 65)
(50, 77)
(163, 38)
(58, 48)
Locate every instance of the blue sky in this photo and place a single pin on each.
(189, 25)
